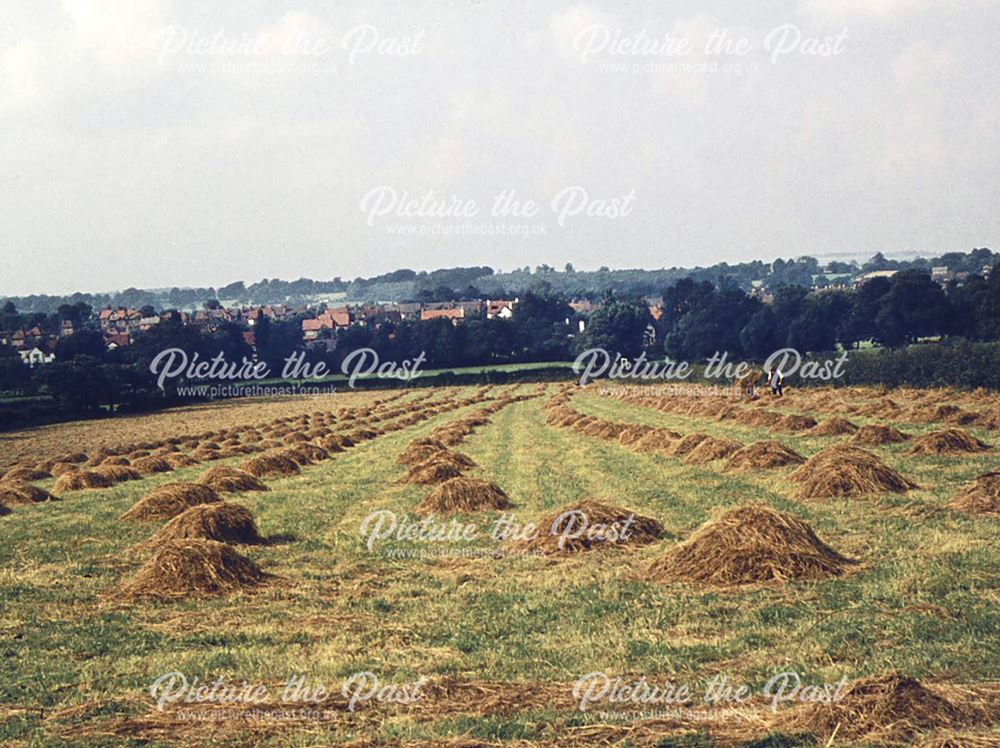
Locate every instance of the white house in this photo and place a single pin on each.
(36, 357)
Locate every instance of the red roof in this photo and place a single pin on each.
(442, 314)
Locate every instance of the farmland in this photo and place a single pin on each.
(836, 551)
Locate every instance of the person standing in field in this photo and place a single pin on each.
(777, 381)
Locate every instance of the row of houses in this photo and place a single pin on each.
(453, 311)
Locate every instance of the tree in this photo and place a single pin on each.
(618, 327)
(860, 323)
(88, 343)
(914, 307)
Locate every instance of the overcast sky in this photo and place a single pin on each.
(157, 143)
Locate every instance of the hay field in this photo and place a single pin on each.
(772, 535)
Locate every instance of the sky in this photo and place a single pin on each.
(160, 143)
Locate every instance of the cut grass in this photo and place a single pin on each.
(925, 603)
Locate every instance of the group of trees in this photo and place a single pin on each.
(702, 318)
(476, 281)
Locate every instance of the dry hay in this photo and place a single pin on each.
(181, 460)
(306, 454)
(115, 460)
(169, 500)
(13, 493)
(420, 451)
(449, 437)
(590, 525)
(21, 473)
(763, 455)
(61, 468)
(432, 471)
(464, 495)
(834, 426)
(875, 434)
(193, 568)
(847, 471)
(150, 465)
(360, 435)
(795, 422)
(296, 438)
(79, 480)
(227, 479)
(981, 497)
(138, 453)
(118, 473)
(947, 442)
(712, 448)
(932, 413)
(750, 545)
(266, 465)
(221, 521)
(77, 457)
(633, 434)
(687, 443)
(661, 441)
(886, 710)
(331, 443)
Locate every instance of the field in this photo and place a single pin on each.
(889, 591)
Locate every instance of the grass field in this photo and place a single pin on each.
(500, 638)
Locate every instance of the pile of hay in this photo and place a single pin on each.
(834, 426)
(115, 460)
(432, 471)
(589, 525)
(169, 500)
(266, 465)
(687, 443)
(847, 471)
(193, 568)
(883, 710)
(750, 545)
(60, 468)
(13, 493)
(794, 422)
(420, 450)
(178, 460)
(765, 454)
(77, 480)
(464, 495)
(947, 442)
(982, 497)
(226, 479)
(221, 521)
(331, 443)
(151, 464)
(875, 434)
(118, 473)
(306, 453)
(712, 448)
(23, 474)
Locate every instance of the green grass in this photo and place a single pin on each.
(926, 602)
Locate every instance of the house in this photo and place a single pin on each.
(584, 306)
(941, 274)
(148, 323)
(35, 356)
(471, 308)
(865, 277)
(499, 308)
(408, 310)
(455, 315)
(113, 340)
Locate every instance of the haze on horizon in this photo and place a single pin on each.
(159, 143)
